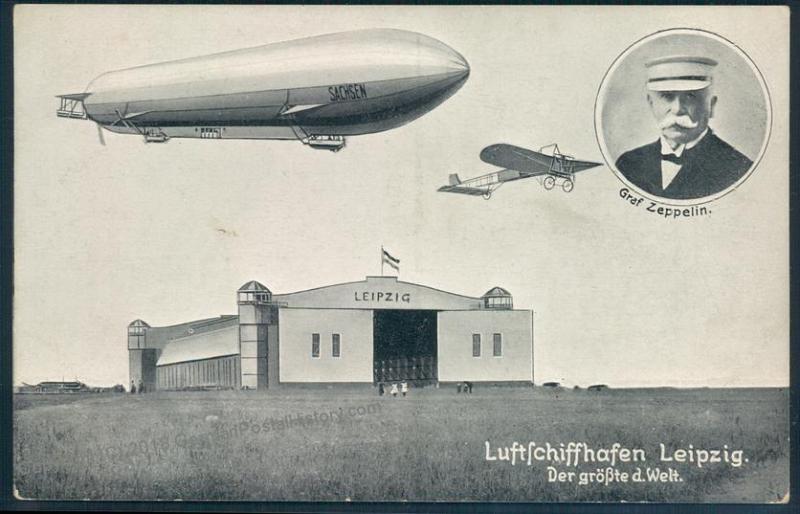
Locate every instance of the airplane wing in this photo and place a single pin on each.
(529, 162)
(513, 157)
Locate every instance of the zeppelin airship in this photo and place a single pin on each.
(317, 90)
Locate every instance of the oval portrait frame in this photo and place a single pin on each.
(601, 98)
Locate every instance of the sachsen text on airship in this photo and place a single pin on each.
(317, 90)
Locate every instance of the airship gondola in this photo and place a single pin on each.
(317, 90)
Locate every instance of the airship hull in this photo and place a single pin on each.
(335, 85)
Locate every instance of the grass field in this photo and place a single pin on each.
(339, 445)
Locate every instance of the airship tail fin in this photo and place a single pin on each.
(72, 106)
(74, 96)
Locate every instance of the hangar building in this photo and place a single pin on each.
(376, 330)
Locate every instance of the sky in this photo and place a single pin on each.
(167, 233)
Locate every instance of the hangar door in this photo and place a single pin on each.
(404, 346)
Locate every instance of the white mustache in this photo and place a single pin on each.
(681, 121)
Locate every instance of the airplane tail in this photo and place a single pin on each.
(454, 180)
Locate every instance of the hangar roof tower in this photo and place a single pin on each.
(254, 292)
(497, 298)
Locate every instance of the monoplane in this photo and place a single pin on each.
(550, 168)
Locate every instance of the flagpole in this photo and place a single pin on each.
(381, 260)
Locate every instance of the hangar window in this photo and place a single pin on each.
(254, 296)
(476, 345)
(315, 346)
(498, 345)
(336, 349)
(498, 303)
(254, 292)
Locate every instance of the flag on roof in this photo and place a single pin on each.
(387, 258)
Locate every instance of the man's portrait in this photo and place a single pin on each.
(675, 145)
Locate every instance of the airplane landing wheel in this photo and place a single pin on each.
(549, 183)
(487, 195)
(568, 186)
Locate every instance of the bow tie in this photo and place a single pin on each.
(671, 157)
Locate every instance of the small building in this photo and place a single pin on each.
(376, 330)
(60, 387)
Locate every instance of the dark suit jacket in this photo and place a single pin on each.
(708, 168)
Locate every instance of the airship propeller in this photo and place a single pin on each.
(100, 135)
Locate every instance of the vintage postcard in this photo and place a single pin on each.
(401, 253)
